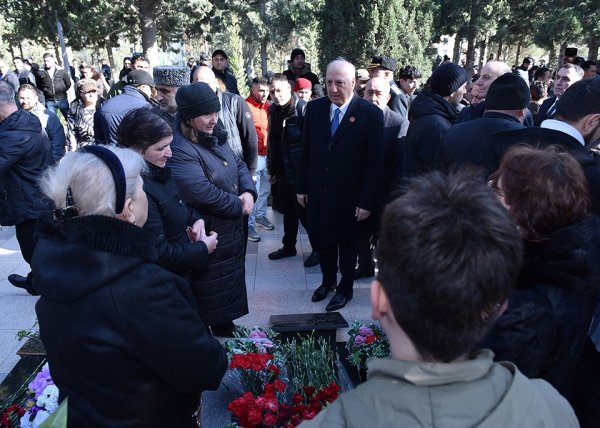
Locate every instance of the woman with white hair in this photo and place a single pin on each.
(124, 340)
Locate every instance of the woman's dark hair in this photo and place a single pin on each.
(142, 128)
(545, 189)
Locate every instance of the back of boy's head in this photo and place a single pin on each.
(448, 257)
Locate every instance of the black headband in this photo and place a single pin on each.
(116, 169)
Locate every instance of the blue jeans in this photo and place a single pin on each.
(62, 105)
(263, 189)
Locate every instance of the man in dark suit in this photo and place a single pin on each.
(565, 77)
(468, 143)
(339, 177)
(575, 129)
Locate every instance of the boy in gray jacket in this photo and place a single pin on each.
(448, 257)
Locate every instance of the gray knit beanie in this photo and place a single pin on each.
(171, 75)
(196, 100)
(447, 78)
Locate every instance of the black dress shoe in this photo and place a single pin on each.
(322, 292)
(364, 272)
(22, 282)
(337, 302)
(312, 260)
(281, 253)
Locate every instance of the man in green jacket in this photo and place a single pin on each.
(448, 257)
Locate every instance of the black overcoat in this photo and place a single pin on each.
(342, 172)
(211, 178)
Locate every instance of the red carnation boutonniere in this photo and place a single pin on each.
(352, 119)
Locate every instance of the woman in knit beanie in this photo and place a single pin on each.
(217, 183)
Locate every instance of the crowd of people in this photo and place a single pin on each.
(474, 209)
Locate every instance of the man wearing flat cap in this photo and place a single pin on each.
(384, 66)
(137, 93)
(167, 80)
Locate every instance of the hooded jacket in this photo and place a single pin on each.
(123, 337)
(24, 155)
(430, 118)
(475, 393)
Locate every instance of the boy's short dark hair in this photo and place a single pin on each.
(448, 257)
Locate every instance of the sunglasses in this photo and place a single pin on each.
(92, 91)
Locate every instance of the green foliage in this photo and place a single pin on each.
(357, 30)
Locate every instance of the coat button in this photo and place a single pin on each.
(180, 202)
(235, 186)
(225, 163)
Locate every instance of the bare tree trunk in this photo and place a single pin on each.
(111, 57)
(551, 58)
(482, 52)
(472, 36)
(263, 41)
(561, 55)
(593, 44)
(147, 12)
(456, 48)
(518, 53)
(499, 51)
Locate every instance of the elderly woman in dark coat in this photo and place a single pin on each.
(179, 233)
(124, 339)
(216, 182)
(546, 324)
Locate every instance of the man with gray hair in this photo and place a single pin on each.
(339, 176)
(167, 80)
(489, 72)
(24, 155)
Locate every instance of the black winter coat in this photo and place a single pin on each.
(55, 87)
(475, 112)
(168, 218)
(211, 178)
(229, 80)
(469, 143)
(341, 172)
(123, 336)
(24, 155)
(430, 118)
(285, 140)
(546, 324)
